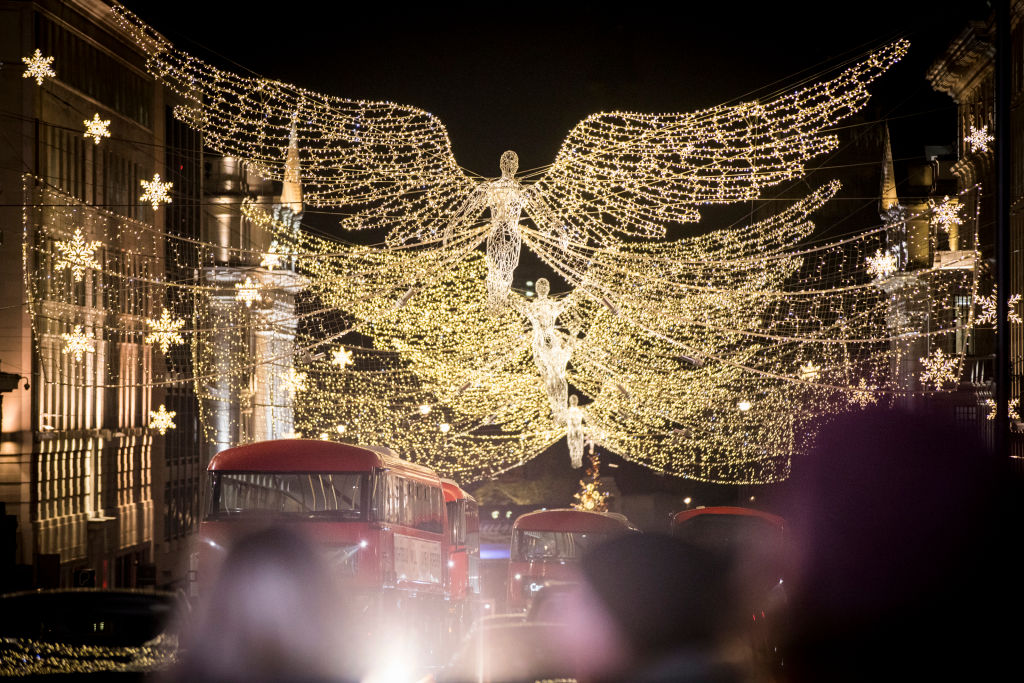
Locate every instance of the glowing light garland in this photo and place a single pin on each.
(38, 67)
(661, 341)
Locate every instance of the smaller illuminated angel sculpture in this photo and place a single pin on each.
(574, 416)
(551, 349)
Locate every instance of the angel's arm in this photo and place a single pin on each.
(470, 209)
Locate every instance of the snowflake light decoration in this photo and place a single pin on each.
(809, 372)
(343, 357)
(272, 258)
(165, 331)
(155, 191)
(939, 369)
(77, 342)
(881, 265)
(864, 394)
(97, 128)
(248, 292)
(1012, 409)
(294, 381)
(162, 419)
(38, 67)
(77, 255)
(988, 309)
(978, 139)
(946, 214)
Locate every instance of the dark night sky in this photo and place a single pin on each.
(521, 78)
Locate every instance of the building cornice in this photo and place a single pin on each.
(964, 62)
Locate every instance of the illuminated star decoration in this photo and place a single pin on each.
(978, 139)
(165, 331)
(1012, 408)
(248, 292)
(162, 419)
(155, 191)
(272, 258)
(38, 67)
(809, 372)
(939, 369)
(863, 395)
(77, 342)
(96, 128)
(77, 255)
(343, 358)
(946, 214)
(294, 381)
(881, 265)
(988, 309)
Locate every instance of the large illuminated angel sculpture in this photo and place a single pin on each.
(619, 174)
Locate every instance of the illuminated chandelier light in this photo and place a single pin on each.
(155, 191)
(165, 331)
(77, 255)
(939, 369)
(162, 419)
(38, 67)
(881, 265)
(77, 342)
(978, 139)
(96, 128)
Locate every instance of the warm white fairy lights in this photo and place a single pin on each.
(946, 214)
(248, 292)
(155, 191)
(162, 419)
(77, 342)
(77, 255)
(97, 128)
(881, 265)
(939, 369)
(165, 331)
(1012, 409)
(988, 306)
(978, 139)
(294, 381)
(38, 67)
(341, 357)
(664, 343)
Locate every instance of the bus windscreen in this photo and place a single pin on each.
(328, 495)
(554, 545)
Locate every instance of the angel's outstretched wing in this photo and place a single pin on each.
(391, 164)
(625, 173)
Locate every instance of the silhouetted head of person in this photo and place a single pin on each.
(662, 594)
(900, 525)
(273, 613)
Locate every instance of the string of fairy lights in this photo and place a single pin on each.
(706, 357)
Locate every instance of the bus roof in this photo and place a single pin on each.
(453, 491)
(568, 519)
(682, 517)
(311, 455)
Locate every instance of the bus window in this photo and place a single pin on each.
(316, 494)
(554, 545)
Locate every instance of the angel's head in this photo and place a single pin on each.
(542, 287)
(509, 164)
(574, 400)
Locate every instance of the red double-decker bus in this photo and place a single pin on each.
(462, 579)
(381, 520)
(547, 545)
